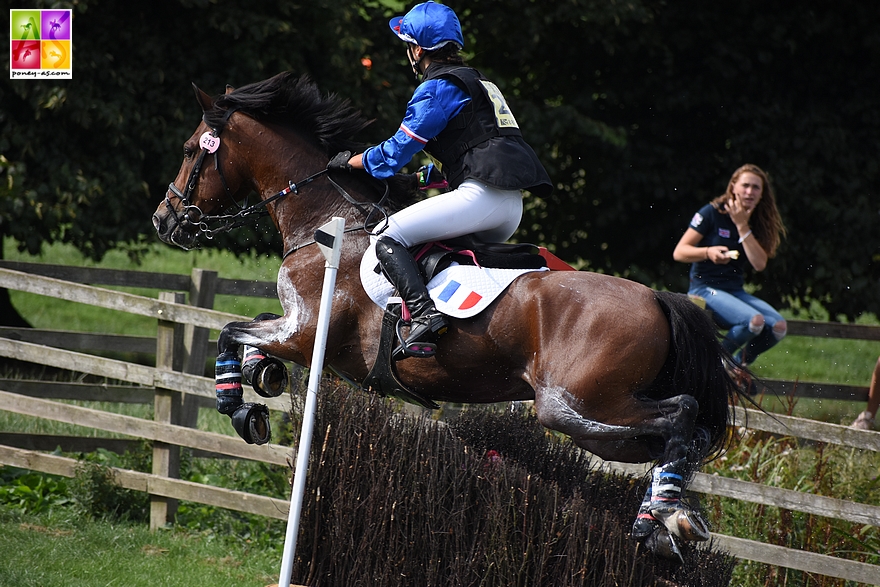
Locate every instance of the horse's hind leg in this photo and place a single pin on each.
(649, 430)
(267, 375)
(669, 423)
(663, 516)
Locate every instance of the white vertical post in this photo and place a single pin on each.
(329, 239)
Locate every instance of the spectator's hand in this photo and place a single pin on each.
(718, 254)
(738, 213)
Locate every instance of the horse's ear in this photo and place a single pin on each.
(229, 89)
(203, 99)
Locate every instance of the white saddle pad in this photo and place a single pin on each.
(460, 291)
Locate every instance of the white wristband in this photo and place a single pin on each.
(744, 237)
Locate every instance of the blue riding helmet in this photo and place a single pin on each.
(428, 25)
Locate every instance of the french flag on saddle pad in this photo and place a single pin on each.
(454, 291)
(462, 291)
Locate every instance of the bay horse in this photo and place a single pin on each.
(629, 373)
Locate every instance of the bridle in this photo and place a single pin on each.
(192, 220)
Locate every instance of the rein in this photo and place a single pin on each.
(240, 218)
(193, 220)
(366, 226)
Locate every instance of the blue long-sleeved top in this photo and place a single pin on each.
(434, 103)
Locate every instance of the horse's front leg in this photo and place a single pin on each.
(267, 375)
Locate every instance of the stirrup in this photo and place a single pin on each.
(423, 334)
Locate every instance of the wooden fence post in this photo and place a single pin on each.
(203, 288)
(167, 407)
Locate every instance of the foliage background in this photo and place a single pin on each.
(640, 110)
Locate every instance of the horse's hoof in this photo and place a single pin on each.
(662, 543)
(251, 421)
(268, 377)
(274, 379)
(644, 526)
(685, 524)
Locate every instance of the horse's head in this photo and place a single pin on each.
(272, 137)
(199, 190)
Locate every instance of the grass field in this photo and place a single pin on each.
(37, 551)
(57, 548)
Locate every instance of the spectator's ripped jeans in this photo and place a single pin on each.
(753, 326)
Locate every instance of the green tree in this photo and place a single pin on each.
(642, 110)
(85, 161)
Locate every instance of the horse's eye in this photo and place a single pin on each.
(187, 153)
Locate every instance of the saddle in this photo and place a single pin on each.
(432, 259)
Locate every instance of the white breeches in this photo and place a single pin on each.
(491, 214)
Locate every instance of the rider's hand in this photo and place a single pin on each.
(340, 162)
(430, 177)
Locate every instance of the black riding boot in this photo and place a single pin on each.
(427, 323)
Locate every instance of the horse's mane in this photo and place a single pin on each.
(296, 102)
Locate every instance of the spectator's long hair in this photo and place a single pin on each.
(766, 224)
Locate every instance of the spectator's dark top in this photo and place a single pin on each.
(717, 229)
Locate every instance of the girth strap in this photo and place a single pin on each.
(382, 378)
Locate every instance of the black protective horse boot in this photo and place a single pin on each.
(427, 323)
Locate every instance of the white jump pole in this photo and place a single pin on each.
(329, 239)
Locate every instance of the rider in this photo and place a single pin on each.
(462, 121)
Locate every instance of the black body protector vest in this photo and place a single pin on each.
(483, 141)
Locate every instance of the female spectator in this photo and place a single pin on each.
(742, 225)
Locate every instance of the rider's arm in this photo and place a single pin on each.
(433, 104)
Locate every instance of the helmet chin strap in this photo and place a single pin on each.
(415, 63)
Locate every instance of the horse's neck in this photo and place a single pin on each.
(285, 161)
(286, 158)
(300, 216)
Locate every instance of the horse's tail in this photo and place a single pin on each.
(696, 366)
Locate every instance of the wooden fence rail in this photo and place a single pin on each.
(141, 279)
(210, 442)
(153, 484)
(202, 292)
(139, 374)
(176, 374)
